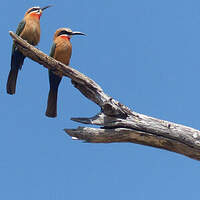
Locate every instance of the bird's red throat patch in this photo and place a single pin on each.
(65, 37)
(36, 15)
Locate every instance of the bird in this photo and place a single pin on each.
(29, 30)
(61, 50)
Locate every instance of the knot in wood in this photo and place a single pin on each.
(113, 111)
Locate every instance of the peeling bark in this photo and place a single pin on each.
(118, 123)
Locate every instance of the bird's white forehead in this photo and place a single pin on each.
(68, 30)
(33, 9)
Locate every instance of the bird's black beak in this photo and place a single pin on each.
(46, 7)
(78, 33)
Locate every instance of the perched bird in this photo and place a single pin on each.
(61, 50)
(29, 30)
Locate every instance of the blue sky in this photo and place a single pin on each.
(144, 54)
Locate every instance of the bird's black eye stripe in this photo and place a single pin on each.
(33, 9)
(64, 33)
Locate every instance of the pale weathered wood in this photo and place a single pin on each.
(118, 123)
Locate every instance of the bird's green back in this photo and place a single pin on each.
(20, 28)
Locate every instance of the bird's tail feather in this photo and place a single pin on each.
(17, 60)
(12, 80)
(51, 110)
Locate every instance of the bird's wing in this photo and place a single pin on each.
(20, 27)
(17, 58)
(54, 80)
(52, 50)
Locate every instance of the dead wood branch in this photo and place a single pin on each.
(118, 123)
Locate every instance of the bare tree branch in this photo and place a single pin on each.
(118, 123)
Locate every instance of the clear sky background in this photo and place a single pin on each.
(146, 54)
